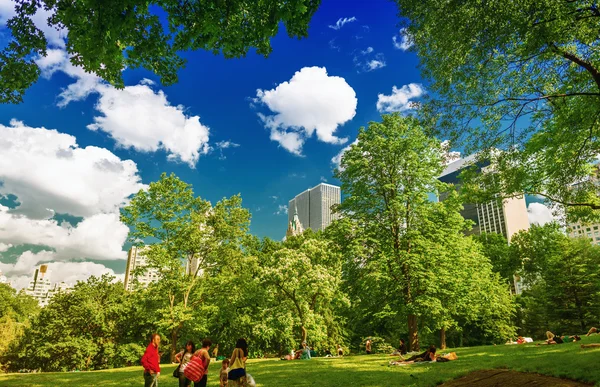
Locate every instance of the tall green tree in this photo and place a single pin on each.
(387, 177)
(186, 240)
(522, 76)
(16, 312)
(496, 248)
(562, 274)
(303, 277)
(108, 36)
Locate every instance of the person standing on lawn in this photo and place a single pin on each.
(151, 362)
(237, 367)
(183, 358)
(202, 353)
(368, 346)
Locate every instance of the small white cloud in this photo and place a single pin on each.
(323, 179)
(275, 198)
(225, 145)
(333, 45)
(539, 214)
(400, 99)
(370, 63)
(281, 210)
(404, 41)
(341, 22)
(312, 101)
(337, 159)
(368, 50)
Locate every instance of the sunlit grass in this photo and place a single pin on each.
(566, 360)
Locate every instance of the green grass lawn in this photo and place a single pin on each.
(566, 361)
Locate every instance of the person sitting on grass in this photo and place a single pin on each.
(593, 330)
(340, 350)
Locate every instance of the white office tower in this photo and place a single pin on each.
(312, 208)
(42, 289)
(137, 260)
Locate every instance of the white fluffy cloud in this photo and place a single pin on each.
(100, 236)
(281, 210)
(368, 61)
(49, 172)
(337, 159)
(404, 41)
(341, 22)
(539, 214)
(142, 119)
(400, 99)
(20, 272)
(312, 101)
(4, 247)
(136, 116)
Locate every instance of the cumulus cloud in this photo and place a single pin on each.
(49, 172)
(135, 117)
(312, 101)
(4, 247)
(100, 236)
(341, 22)
(539, 214)
(400, 99)
(337, 159)
(140, 118)
(403, 41)
(21, 272)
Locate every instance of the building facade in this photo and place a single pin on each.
(312, 208)
(585, 230)
(42, 289)
(136, 260)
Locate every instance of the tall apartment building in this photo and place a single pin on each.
(137, 260)
(501, 216)
(585, 230)
(42, 289)
(312, 207)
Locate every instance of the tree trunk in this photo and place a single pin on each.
(303, 333)
(443, 338)
(413, 333)
(174, 332)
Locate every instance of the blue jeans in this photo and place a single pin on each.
(150, 380)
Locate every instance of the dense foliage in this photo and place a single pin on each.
(522, 76)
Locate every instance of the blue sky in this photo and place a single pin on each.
(222, 93)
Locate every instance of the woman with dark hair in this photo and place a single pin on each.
(183, 358)
(237, 363)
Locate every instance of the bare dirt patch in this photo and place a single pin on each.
(508, 378)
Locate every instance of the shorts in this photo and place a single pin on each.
(236, 374)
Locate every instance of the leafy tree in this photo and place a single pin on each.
(387, 177)
(186, 240)
(76, 330)
(522, 76)
(562, 275)
(16, 311)
(496, 248)
(108, 36)
(303, 278)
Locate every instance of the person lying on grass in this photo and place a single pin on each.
(590, 345)
(428, 355)
(593, 330)
(560, 340)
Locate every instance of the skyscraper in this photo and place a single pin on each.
(136, 260)
(312, 208)
(501, 216)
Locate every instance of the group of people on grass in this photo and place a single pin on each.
(232, 373)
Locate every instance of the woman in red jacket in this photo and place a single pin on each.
(151, 362)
